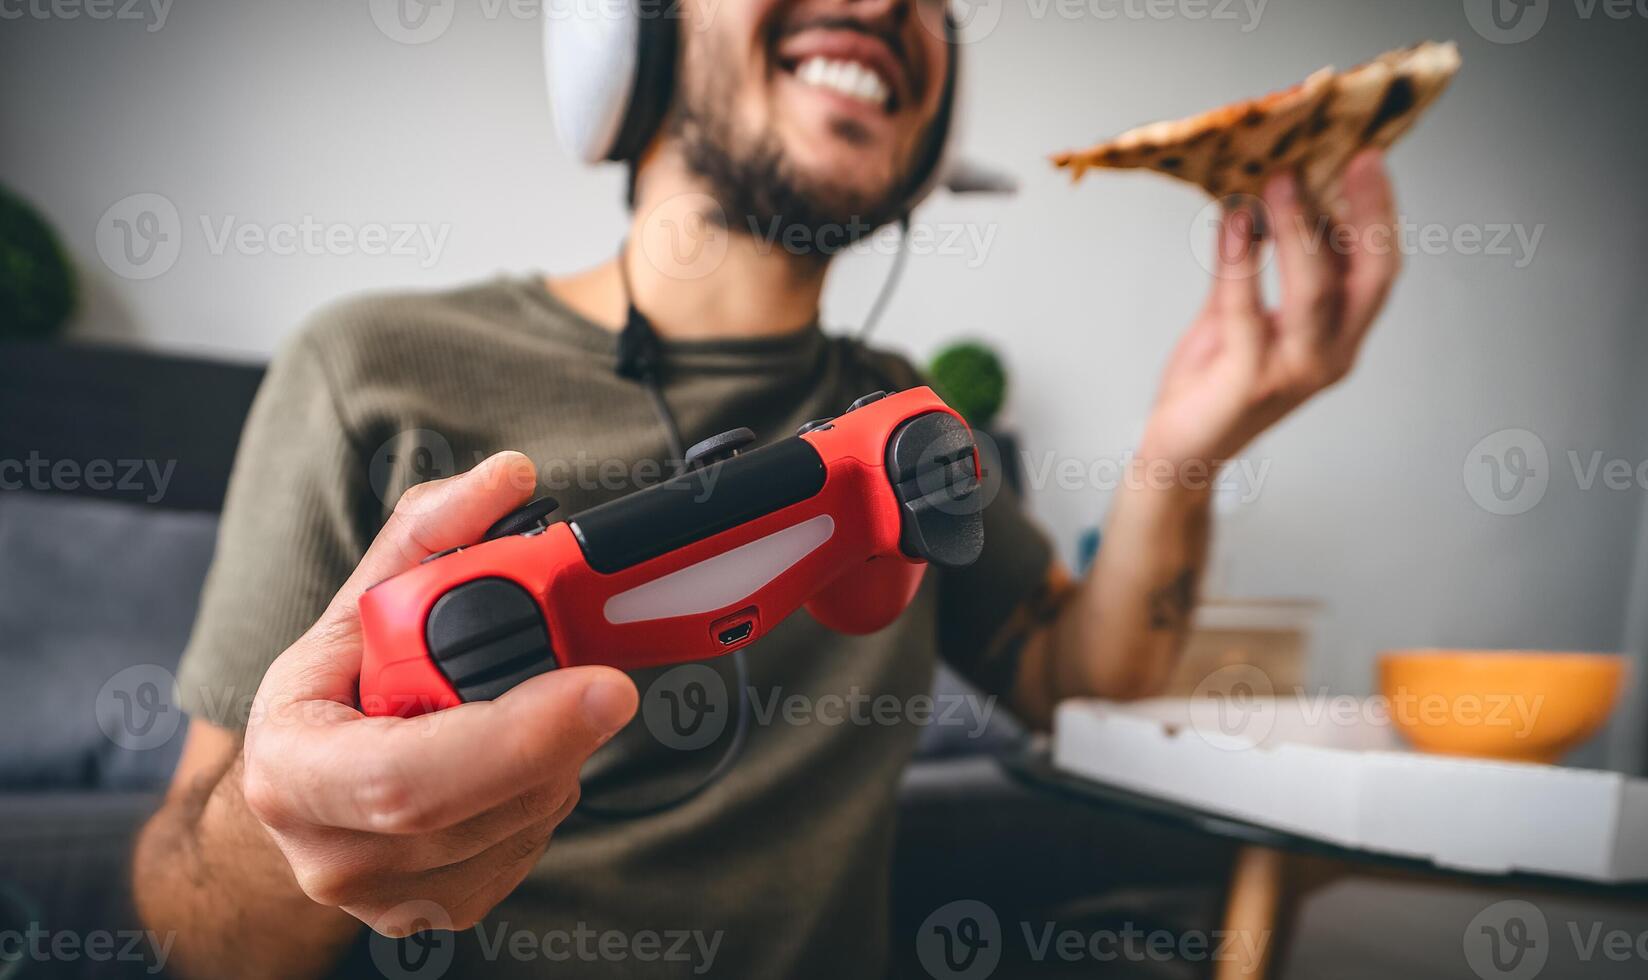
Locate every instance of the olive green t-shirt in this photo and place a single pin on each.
(779, 868)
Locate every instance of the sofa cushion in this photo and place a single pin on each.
(97, 603)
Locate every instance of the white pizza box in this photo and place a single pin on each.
(1335, 770)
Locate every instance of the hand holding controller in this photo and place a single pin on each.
(842, 518)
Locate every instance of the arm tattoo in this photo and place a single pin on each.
(1171, 604)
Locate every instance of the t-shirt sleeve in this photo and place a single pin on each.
(985, 610)
(288, 538)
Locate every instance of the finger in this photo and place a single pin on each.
(464, 892)
(476, 906)
(428, 518)
(542, 806)
(1312, 272)
(419, 775)
(342, 851)
(1375, 258)
(432, 517)
(1237, 288)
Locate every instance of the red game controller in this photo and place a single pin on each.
(843, 519)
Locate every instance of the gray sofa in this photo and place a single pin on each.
(99, 590)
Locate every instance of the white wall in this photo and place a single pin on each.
(271, 112)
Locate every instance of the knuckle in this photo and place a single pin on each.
(552, 801)
(400, 922)
(413, 499)
(323, 885)
(1267, 393)
(1318, 374)
(1323, 298)
(537, 801)
(263, 797)
(388, 801)
(468, 837)
(569, 802)
(525, 846)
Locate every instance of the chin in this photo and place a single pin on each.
(853, 182)
(848, 199)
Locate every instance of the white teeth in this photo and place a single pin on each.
(849, 78)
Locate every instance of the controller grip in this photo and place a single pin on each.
(487, 636)
(868, 598)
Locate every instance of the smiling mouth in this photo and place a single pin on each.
(852, 79)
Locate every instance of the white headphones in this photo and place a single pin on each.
(611, 72)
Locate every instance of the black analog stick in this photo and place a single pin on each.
(719, 447)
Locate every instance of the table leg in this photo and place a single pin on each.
(1257, 883)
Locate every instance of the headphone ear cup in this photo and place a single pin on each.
(611, 77)
(937, 152)
(590, 62)
(657, 39)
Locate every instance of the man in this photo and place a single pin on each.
(292, 819)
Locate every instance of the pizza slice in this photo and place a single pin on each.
(1315, 127)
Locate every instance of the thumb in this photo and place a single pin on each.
(428, 518)
(432, 517)
(437, 770)
(573, 711)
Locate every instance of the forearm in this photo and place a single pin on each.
(207, 874)
(1121, 633)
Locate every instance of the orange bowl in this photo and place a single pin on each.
(1525, 706)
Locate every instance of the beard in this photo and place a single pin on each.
(758, 188)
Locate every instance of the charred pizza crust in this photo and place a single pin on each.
(1315, 127)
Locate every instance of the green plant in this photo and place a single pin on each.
(970, 378)
(37, 286)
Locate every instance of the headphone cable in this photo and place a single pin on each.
(640, 358)
(900, 259)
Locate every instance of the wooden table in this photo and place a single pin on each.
(1275, 871)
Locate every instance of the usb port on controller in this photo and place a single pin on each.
(736, 634)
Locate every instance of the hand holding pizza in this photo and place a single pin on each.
(1242, 366)
(1277, 162)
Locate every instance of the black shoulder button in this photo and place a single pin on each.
(533, 515)
(869, 399)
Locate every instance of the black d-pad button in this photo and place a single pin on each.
(930, 460)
